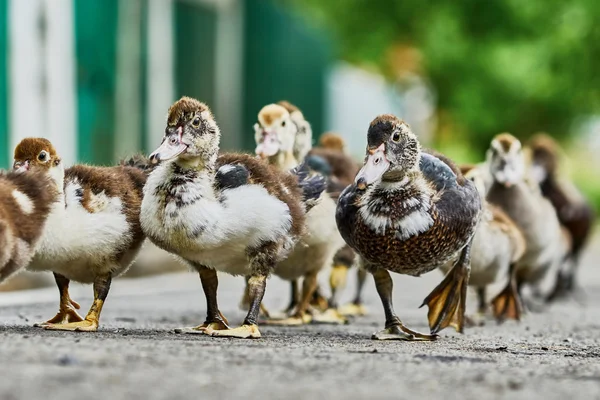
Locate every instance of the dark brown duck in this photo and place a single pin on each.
(410, 212)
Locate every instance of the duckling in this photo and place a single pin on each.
(275, 134)
(409, 212)
(574, 211)
(231, 213)
(522, 200)
(331, 160)
(332, 141)
(93, 230)
(303, 139)
(25, 201)
(497, 245)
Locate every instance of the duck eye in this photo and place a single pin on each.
(396, 137)
(43, 156)
(283, 123)
(196, 122)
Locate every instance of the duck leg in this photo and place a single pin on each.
(214, 319)
(507, 304)
(262, 262)
(394, 329)
(91, 321)
(337, 281)
(356, 307)
(300, 317)
(479, 318)
(245, 303)
(67, 311)
(294, 296)
(448, 300)
(319, 301)
(249, 329)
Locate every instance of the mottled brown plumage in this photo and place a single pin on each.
(415, 213)
(25, 201)
(343, 168)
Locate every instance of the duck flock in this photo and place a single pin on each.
(295, 210)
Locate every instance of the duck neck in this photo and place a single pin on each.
(198, 163)
(58, 176)
(284, 160)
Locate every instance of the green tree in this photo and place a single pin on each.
(497, 65)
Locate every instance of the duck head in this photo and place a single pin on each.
(393, 151)
(544, 152)
(191, 136)
(506, 160)
(38, 154)
(303, 141)
(332, 141)
(275, 131)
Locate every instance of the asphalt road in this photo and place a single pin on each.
(549, 355)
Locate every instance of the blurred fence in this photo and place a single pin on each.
(97, 76)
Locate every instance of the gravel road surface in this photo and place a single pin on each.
(551, 355)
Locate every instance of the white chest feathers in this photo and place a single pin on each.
(190, 220)
(74, 237)
(392, 210)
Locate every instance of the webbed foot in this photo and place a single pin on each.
(87, 325)
(67, 313)
(507, 304)
(294, 320)
(400, 332)
(353, 310)
(203, 329)
(243, 332)
(448, 300)
(330, 316)
(219, 322)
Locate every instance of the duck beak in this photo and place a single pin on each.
(375, 166)
(21, 166)
(268, 145)
(170, 148)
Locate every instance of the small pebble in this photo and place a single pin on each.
(67, 360)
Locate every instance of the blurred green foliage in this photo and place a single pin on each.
(497, 65)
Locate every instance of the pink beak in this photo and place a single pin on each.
(170, 148)
(375, 166)
(19, 166)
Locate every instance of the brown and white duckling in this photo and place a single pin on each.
(231, 213)
(93, 231)
(25, 201)
(522, 200)
(497, 245)
(331, 160)
(275, 134)
(410, 212)
(573, 209)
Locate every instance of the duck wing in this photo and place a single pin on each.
(230, 176)
(439, 171)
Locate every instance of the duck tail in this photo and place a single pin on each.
(140, 162)
(312, 185)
